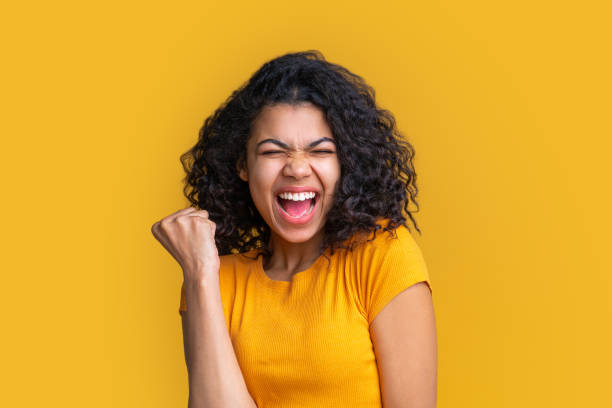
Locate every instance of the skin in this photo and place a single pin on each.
(405, 344)
(215, 378)
(270, 167)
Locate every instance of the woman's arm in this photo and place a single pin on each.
(404, 339)
(215, 379)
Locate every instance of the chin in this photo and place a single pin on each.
(297, 238)
(295, 234)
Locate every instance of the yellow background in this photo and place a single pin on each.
(507, 105)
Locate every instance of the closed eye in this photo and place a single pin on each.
(278, 151)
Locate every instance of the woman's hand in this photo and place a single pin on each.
(189, 236)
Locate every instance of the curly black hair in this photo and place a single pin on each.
(377, 179)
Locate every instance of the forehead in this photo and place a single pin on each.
(293, 124)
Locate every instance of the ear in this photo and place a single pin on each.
(242, 172)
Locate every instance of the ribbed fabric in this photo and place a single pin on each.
(306, 343)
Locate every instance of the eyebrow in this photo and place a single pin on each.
(285, 146)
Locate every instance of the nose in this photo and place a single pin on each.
(297, 166)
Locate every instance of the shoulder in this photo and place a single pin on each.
(386, 264)
(380, 244)
(230, 264)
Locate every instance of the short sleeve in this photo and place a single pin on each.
(389, 266)
(183, 302)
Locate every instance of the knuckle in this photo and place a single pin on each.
(183, 220)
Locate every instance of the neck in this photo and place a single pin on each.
(293, 257)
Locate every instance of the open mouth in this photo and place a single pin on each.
(297, 209)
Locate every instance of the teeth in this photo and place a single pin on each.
(302, 215)
(297, 196)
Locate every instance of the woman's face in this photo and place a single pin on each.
(292, 149)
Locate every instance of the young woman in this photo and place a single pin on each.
(302, 285)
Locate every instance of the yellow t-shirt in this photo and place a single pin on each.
(306, 343)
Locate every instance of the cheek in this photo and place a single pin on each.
(330, 173)
(264, 173)
(261, 180)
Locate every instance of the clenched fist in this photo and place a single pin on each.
(189, 236)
